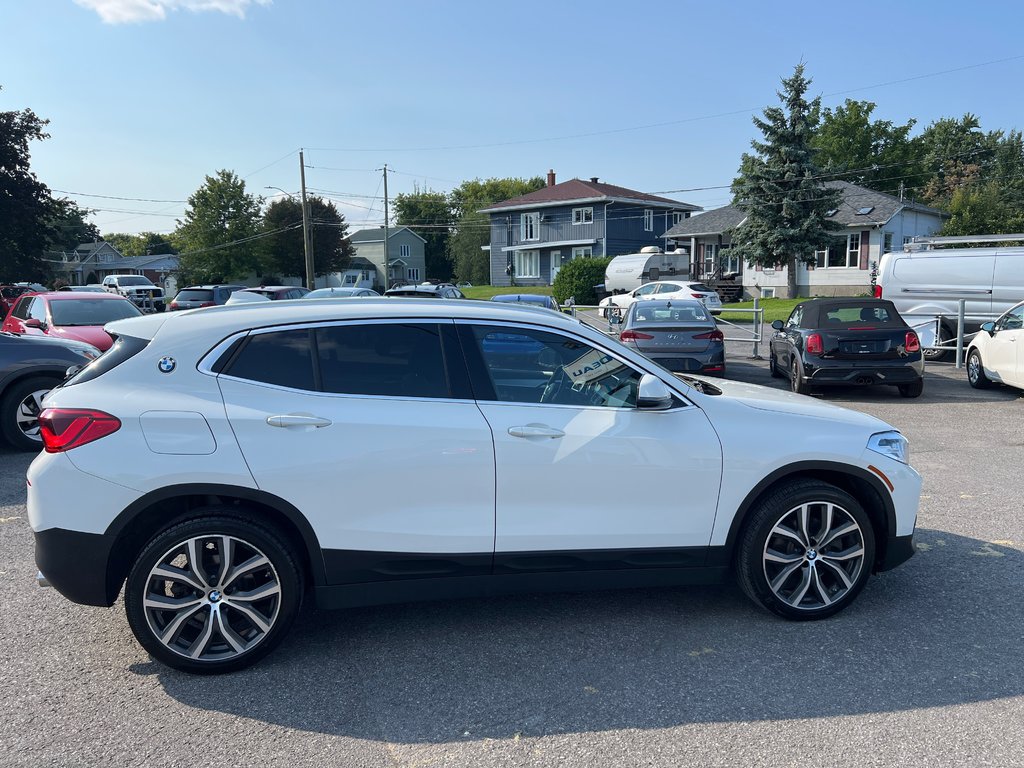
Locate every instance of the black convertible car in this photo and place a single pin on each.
(847, 342)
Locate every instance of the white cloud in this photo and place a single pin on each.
(129, 11)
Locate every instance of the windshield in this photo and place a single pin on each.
(133, 281)
(90, 311)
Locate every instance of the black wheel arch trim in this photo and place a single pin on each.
(117, 566)
(804, 469)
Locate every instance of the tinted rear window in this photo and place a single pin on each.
(858, 314)
(399, 360)
(671, 315)
(194, 295)
(282, 358)
(124, 348)
(701, 288)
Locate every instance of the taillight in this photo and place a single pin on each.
(697, 295)
(912, 343)
(814, 344)
(878, 291)
(65, 428)
(207, 304)
(174, 305)
(713, 335)
(634, 336)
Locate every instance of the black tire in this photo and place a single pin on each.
(764, 578)
(773, 367)
(796, 378)
(19, 402)
(913, 389)
(976, 371)
(221, 640)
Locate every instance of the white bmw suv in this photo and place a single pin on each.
(228, 462)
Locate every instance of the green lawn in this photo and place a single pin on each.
(487, 291)
(774, 309)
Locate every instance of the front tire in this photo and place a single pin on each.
(806, 551)
(213, 594)
(19, 413)
(976, 371)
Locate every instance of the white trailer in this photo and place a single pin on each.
(631, 270)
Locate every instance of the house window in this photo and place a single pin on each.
(582, 253)
(709, 259)
(887, 242)
(582, 215)
(841, 255)
(648, 220)
(412, 273)
(677, 216)
(403, 251)
(907, 239)
(730, 264)
(767, 293)
(528, 226)
(527, 263)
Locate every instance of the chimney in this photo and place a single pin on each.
(551, 178)
(593, 179)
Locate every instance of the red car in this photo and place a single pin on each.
(69, 315)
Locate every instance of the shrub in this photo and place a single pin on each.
(578, 278)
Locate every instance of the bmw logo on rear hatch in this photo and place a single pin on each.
(166, 364)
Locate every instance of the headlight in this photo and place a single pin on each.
(891, 444)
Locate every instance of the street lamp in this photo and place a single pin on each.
(307, 249)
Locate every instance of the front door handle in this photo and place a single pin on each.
(298, 420)
(535, 430)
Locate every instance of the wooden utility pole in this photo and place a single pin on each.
(385, 226)
(306, 241)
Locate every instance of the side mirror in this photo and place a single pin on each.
(989, 328)
(653, 394)
(33, 322)
(777, 325)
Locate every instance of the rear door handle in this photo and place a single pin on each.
(535, 430)
(298, 420)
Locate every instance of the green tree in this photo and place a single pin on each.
(219, 232)
(956, 154)
(283, 245)
(578, 278)
(142, 244)
(69, 226)
(472, 229)
(874, 153)
(779, 187)
(27, 213)
(429, 214)
(982, 209)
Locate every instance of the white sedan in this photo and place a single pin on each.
(997, 351)
(664, 289)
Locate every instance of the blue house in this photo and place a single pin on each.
(533, 235)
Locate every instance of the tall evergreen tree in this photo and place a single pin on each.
(285, 250)
(780, 189)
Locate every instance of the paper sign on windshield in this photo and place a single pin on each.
(592, 366)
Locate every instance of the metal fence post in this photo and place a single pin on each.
(757, 319)
(960, 333)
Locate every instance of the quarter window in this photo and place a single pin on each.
(524, 365)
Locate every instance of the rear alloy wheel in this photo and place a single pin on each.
(213, 594)
(796, 379)
(913, 389)
(976, 371)
(19, 413)
(806, 551)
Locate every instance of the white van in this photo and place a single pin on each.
(926, 284)
(631, 270)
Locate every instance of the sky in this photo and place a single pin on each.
(146, 98)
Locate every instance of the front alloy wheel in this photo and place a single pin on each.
(807, 551)
(213, 595)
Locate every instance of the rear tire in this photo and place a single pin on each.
(914, 389)
(976, 371)
(213, 594)
(773, 367)
(19, 411)
(806, 551)
(796, 379)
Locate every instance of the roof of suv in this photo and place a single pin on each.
(221, 321)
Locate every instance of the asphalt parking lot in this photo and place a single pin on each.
(924, 669)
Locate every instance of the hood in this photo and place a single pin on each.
(90, 334)
(774, 400)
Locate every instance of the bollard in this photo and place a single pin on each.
(960, 333)
(754, 355)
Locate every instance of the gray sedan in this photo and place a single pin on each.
(678, 334)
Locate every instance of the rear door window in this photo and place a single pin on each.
(281, 358)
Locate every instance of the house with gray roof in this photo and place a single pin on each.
(872, 223)
(533, 235)
(405, 255)
(91, 262)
